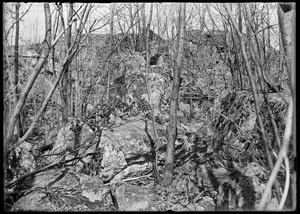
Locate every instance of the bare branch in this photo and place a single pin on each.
(17, 21)
(281, 156)
(32, 78)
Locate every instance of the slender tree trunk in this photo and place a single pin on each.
(288, 37)
(254, 87)
(191, 95)
(164, 31)
(154, 169)
(109, 70)
(143, 42)
(202, 17)
(172, 129)
(78, 91)
(268, 40)
(66, 62)
(66, 80)
(139, 32)
(241, 62)
(281, 54)
(5, 80)
(132, 37)
(172, 38)
(286, 41)
(31, 79)
(158, 28)
(240, 20)
(62, 52)
(255, 54)
(16, 73)
(45, 102)
(293, 186)
(56, 96)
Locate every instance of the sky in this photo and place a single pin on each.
(32, 24)
(32, 27)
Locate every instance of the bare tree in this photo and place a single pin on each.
(66, 80)
(46, 47)
(11, 27)
(256, 53)
(227, 40)
(172, 130)
(109, 71)
(288, 38)
(16, 73)
(155, 141)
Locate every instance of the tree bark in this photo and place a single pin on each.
(158, 28)
(144, 36)
(293, 177)
(202, 21)
(109, 71)
(285, 32)
(23, 96)
(66, 80)
(133, 35)
(5, 80)
(66, 62)
(78, 90)
(154, 169)
(16, 73)
(254, 87)
(172, 129)
(288, 37)
(268, 46)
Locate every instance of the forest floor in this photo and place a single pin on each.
(219, 165)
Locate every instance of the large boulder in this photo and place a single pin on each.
(127, 150)
(65, 190)
(134, 198)
(64, 146)
(20, 161)
(68, 190)
(126, 153)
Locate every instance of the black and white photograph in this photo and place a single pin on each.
(149, 106)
